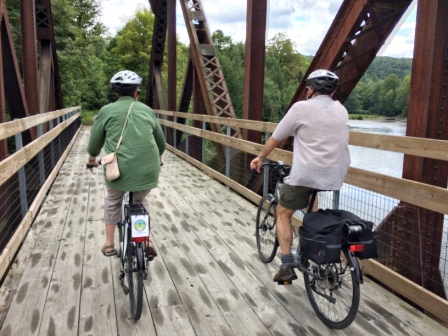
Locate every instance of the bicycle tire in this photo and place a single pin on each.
(266, 231)
(338, 283)
(135, 272)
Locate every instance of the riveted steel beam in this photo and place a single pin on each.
(254, 65)
(50, 92)
(357, 33)
(427, 118)
(155, 93)
(29, 52)
(208, 68)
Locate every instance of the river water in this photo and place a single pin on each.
(388, 163)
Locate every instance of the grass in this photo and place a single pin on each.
(87, 117)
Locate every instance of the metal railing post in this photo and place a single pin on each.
(58, 121)
(22, 179)
(175, 134)
(187, 137)
(266, 170)
(204, 127)
(336, 199)
(50, 127)
(41, 157)
(228, 154)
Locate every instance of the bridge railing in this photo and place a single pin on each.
(370, 195)
(28, 172)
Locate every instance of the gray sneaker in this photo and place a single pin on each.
(285, 275)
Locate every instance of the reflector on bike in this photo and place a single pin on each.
(357, 248)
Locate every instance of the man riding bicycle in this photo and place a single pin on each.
(138, 155)
(320, 156)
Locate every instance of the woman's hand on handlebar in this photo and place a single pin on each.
(90, 164)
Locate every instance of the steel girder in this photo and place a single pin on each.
(208, 68)
(254, 65)
(357, 33)
(415, 234)
(12, 93)
(50, 92)
(155, 93)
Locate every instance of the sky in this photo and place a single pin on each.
(305, 22)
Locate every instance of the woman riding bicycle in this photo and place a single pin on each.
(320, 157)
(139, 153)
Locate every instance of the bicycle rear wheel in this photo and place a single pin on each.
(333, 291)
(266, 232)
(135, 272)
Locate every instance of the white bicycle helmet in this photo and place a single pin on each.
(125, 82)
(323, 81)
(126, 77)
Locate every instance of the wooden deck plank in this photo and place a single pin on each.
(225, 256)
(97, 307)
(41, 249)
(61, 314)
(241, 317)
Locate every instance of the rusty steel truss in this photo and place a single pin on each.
(41, 89)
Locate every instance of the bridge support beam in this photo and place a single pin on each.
(419, 228)
(254, 65)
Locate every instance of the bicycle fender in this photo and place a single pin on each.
(357, 270)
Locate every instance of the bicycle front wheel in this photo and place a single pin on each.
(265, 231)
(135, 272)
(333, 291)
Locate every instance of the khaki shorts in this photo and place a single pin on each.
(294, 197)
(114, 200)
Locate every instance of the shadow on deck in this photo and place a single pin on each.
(207, 279)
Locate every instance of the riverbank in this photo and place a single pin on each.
(372, 117)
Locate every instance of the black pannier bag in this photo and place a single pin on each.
(368, 238)
(323, 231)
(321, 237)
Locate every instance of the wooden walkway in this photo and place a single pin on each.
(207, 279)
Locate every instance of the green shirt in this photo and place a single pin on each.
(143, 143)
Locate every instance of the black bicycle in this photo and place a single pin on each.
(332, 288)
(133, 235)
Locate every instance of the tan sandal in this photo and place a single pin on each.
(108, 253)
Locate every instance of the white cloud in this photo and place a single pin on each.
(305, 22)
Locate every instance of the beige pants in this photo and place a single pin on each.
(114, 200)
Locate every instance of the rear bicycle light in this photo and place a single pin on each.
(357, 248)
(139, 239)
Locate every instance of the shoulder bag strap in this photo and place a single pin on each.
(124, 127)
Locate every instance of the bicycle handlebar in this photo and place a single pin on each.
(276, 165)
(93, 166)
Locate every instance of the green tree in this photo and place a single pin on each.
(132, 44)
(80, 48)
(387, 94)
(402, 96)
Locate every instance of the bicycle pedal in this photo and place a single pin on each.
(282, 283)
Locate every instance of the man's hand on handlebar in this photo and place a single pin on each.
(256, 164)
